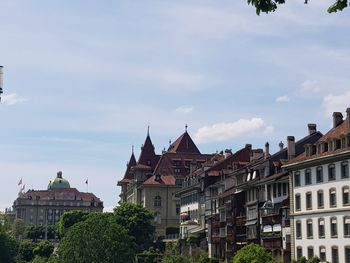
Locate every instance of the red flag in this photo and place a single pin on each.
(20, 182)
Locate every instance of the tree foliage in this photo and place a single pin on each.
(18, 228)
(305, 260)
(8, 247)
(138, 221)
(69, 219)
(35, 232)
(268, 6)
(97, 239)
(43, 249)
(252, 253)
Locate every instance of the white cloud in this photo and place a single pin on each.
(12, 99)
(311, 86)
(225, 131)
(282, 99)
(333, 103)
(184, 109)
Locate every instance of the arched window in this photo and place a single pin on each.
(299, 252)
(298, 229)
(331, 172)
(309, 230)
(297, 202)
(319, 174)
(157, 201)
(347, 254)
(320, 199)
(334, 227)
(332, 197)
(308, 199)
(346, 226)
(310, 252)
(322, 253)
(344, 170)
(335, 254)
(321, 230)
(308, 179)
(346, 195)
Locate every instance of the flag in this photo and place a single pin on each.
(23, 187)
(20, 182)
(87, 181)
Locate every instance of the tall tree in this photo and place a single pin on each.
(98, 239)
(69, 219)
(271, 5)
(18, 228)
(8, 247)
(138, 221)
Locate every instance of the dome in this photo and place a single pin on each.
(58, 183)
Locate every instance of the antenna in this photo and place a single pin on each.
(1, 80)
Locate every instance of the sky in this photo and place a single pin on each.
(84, 79)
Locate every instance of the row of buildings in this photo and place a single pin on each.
(295, 202)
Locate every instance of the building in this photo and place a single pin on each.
(45, 207)
(154, 179)
(255, 208)
(320, 201)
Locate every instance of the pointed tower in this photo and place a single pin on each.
(184, 144)
(148, 156)
(131, 163)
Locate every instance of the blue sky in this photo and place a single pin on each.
(83, 79)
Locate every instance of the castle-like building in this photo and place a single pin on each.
(153, 180)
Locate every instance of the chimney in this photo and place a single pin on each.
(281, 145)
(291, 147)
(348, 118)
(248, 146)
(228, 152)
(337, 119)
(267, 149)
(312, 127)
(1, 81)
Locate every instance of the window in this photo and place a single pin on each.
(298, 229)
(332, 198)
(347, 226)
(279, 186)
(331, 172)
(309, 231)
(344, 170)
(335, 255)
(319, 174)
(297, 179)
(297, 202)
(274, 190)
(323, 253)
(177, 209)
(346, 199)
(334, 230)
(321, 231)
(320, 201)
(310, 252)
(157, 201)
(347, 254)
(308, 201)
(299, 252)
(308, 177)
(284, 189)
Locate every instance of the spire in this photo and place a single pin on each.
(148, 156)
(148, 130)
(130, 164)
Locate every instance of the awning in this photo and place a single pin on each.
(250, 223)
(267, 228)
(277, 228)
(184, 213)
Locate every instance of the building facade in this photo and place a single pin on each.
(320, 202)
(45, 207)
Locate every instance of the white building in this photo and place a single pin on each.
(320, 196)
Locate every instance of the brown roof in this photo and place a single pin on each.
(167, 180)
(132, 162)
(184, 144)
(148, 156)
(60, 194)
(142, 167)
(336, 132)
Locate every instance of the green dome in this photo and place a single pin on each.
(58, 183)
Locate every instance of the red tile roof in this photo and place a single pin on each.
(184, 144)
(148, 156)
(337, 132)
(60, 194)
(167, 180)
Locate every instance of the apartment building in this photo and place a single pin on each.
(320, 198)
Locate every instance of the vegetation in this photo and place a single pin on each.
(97, 239)
(268, 6)
(138, 222)
(252, 253)
(69, 219)
(304, 260)
(8, 247)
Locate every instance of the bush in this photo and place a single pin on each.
(43, 249)
(252, 253)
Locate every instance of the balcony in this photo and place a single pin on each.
(240, 221)
(272, 244)
(215, 239)
(270, 235)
